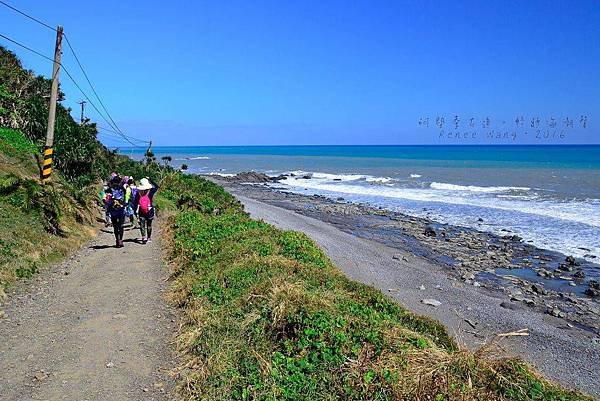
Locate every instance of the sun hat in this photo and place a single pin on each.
(144, 184)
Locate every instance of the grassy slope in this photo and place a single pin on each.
(38, 224)
(267, 316)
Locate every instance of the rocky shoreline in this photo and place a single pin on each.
(522, 275)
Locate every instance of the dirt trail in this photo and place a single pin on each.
(94, 328)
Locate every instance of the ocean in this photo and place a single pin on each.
(549, 195)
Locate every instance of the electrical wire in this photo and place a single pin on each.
(107, 130)
(116, 138)
(27, 15)
(112, 122)
(90, 101)
(27, 48)
(72, 79)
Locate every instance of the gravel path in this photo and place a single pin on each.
(473, 315)
(93, 328)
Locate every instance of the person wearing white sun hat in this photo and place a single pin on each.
(143, 204)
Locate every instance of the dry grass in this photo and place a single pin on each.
(267, 316)
(38, 224)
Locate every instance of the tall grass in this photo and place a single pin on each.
(267, 316)
(38, 223)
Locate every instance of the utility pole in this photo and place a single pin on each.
(82, 103)
(48, 151)
(147, 155)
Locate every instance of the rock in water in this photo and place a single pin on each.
(279, 177)
(544, 273)
(430, 231)
(431, 302)
(571, 261)
(593, 289)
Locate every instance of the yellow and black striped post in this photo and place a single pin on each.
(47, 166)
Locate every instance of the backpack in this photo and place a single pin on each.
(118, 200)
(134, 192)
(145, 204)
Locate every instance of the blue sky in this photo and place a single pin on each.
(333, 72)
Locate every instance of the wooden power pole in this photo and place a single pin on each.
(147, 156)
(48, 150)
(82, 103)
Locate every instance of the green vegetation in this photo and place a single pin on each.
(78, 155)
(38, 224)
(42, 223)
(268, 317)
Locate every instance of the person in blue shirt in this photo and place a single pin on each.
(116, 205)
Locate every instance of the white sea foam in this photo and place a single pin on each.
(473, 188)
(340, 177)
(543, 221)
(198, 158)
(576, 211)
(328, 176)
(415, 175)
(383, 180)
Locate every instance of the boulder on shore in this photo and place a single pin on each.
(249, 176)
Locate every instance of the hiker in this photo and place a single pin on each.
(116, 208)
(129, 198)
(144, 207)
(104, 197)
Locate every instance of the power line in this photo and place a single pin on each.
(91, 86)
(117, 138)
(27, 48)
(90, 101)
(71, 78)
(107, 130)
(117, 133)
(28, 16)
(113, 124)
